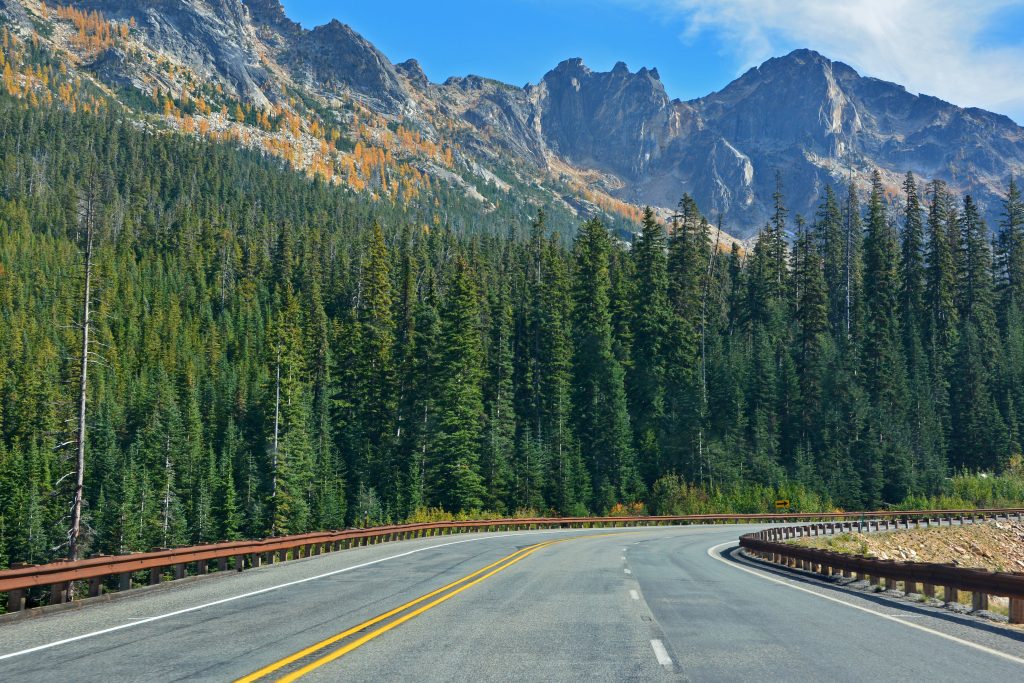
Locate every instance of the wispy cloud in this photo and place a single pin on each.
(938, 47)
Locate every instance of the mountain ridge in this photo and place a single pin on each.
(593, 141)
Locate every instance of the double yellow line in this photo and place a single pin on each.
(445, 593)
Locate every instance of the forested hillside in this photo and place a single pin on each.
(271, 355)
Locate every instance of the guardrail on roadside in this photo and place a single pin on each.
(771, 545)
(34, 585)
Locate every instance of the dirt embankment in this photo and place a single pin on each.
(998, 546)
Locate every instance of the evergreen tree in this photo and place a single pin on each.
(832, 247)
(501, 420)
(1011, 242)
(812, 326)
(687, 263)
(886, 473)
(853, 266)
(456, 482)
(653, 320)
(602, 421)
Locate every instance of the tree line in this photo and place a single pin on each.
(272, 355)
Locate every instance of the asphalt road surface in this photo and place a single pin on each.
(669, 603)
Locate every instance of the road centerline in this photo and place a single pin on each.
(505, 563)
(327, 642)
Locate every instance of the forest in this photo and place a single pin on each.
(272, 354)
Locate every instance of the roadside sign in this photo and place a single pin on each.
(782, 504)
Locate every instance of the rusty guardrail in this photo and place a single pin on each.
(28, 586)
(771, 545)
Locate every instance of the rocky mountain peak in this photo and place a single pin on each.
(271, 13)
(412, 70)
(334, 54)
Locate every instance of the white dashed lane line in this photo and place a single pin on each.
(661, 653)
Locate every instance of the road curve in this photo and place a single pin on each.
(668, 603)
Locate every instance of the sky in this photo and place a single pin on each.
(970, 52)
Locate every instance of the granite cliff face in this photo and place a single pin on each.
(814, 120)
(617, 134)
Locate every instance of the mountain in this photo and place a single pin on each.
(578, 141)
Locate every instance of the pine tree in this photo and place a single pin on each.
(687, 262)
(567, 486)
(499, 445)
(1011, 241)
(456, 482)
(226, 514)
(926, 438)
(853, 268)
(291, 447)
(601, 417)
(912, 269)
(653, 319)
(832, 247)
(976, 296)
(979, 435)
(812, 322)
(941, 328)
(372, 388)
(886, 473)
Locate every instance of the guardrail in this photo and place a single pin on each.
(917, 577)
(34, 585)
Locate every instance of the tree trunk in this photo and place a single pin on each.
(76, 507)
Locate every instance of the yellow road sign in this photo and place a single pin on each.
(781, 504)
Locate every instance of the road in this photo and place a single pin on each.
(670, 603)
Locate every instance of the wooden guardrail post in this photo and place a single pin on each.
(15, 600)
(979, 601)
(1016, 610)
(58, 593)
(951, 594)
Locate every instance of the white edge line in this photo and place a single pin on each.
(146, 620)
(661, 653)
(633, 594)
(713, 552)
(627, 571)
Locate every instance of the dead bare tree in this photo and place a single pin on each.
(88, 220)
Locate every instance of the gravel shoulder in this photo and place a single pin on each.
(994, 545)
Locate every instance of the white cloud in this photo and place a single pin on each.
(937, 47)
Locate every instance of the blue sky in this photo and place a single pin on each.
(971, 53)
